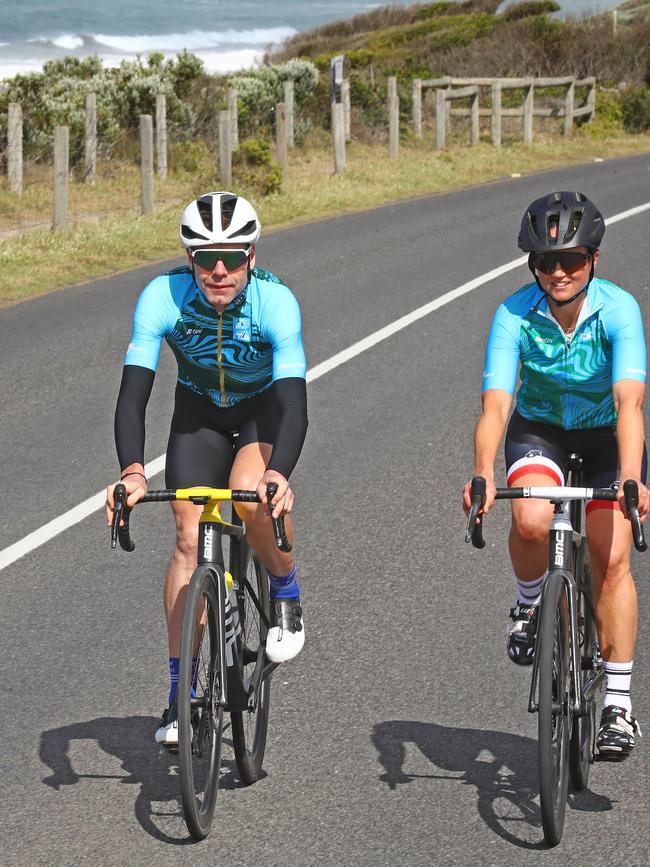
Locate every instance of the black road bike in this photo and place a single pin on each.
(567, 667)
(223, 665)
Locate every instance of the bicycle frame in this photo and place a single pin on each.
(233, 695)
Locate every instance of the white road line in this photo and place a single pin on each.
(93, 504)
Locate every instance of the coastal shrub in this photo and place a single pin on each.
(255, 169)
(529, 8)
(57, 96)
(635, 108)
(261, 88)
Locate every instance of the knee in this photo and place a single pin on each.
(249, 513)
(529, 529)
(187, 538)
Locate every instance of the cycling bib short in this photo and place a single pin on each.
(534, 447)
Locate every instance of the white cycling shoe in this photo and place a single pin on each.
(167, 731)
(286, 636)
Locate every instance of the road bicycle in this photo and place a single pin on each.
(223, 665)
(567, 667)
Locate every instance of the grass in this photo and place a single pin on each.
(124, 240)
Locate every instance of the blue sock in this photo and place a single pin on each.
(284, 587)
(173, 676)
(174, 665)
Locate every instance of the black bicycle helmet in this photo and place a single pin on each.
(577, 222)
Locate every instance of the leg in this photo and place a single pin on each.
(248, 468)
(615, 602)
(183, 563)
(286, 636)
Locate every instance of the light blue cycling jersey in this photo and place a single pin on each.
(227, 356)
(566, 381)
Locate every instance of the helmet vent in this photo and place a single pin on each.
(228, 204)
(204, 206)
(574, 224)
(188, 232)
(248, 229)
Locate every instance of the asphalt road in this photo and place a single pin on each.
(400, 735)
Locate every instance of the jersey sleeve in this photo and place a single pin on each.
(502, 352)
(155, 315)
(628, 342)
(283, 330)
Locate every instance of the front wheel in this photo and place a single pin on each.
(200, 714)
(583, 726)
(249, 727)
(554, 715)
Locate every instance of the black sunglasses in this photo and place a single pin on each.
(232, 259)
(568, 261)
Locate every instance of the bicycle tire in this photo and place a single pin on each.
(200, 714)
(580, 748)
(554, 721)
(249, 728)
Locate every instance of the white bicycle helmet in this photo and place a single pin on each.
(219, 218)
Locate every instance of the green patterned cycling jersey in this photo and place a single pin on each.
(566, 381)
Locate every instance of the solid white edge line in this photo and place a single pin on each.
(93, 504)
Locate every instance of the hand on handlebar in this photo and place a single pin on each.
(490, 494)
(643, 507)
(282, 501)
(136, 488)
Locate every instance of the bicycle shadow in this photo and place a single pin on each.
(130, 740)
(502, 768)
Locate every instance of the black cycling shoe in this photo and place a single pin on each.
(521, 634)
(616, 734)
(286, 636)
(167, 731)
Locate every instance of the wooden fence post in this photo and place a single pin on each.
(568, 108)
(281, 136)
(161, 135)
(15, 148)
(441, 118)
(225, 149)
(234, 118)
(338, 137)
(345, 102)
(417, 107)
(475, 125)
(528, 113)
(146, 163)
(393, 118)
(591, 100)
(496, 114)
(61, 168)
(289, 108)
(90, 140)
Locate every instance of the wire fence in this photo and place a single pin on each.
(73, 177)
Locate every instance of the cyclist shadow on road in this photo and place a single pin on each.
(129, 739)
(501, 766)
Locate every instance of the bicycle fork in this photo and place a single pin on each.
(560, 560)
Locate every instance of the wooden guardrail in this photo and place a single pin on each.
(527, 111)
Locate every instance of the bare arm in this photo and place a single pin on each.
(628, 400)
(487, 438)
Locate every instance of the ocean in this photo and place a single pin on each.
(226, 35)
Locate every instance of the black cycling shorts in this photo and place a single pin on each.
(534, 447)
(204, 439)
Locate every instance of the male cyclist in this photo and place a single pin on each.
(577, 342)
(240, 414)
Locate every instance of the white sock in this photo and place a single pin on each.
(619, 675)
(529, 592)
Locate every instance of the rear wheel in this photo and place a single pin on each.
(249, 727)
(200, 714)
(554, 715)
(580, 751)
